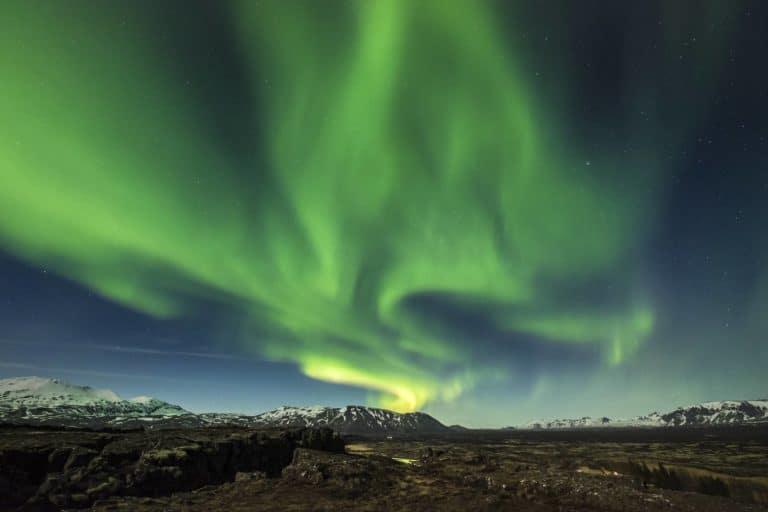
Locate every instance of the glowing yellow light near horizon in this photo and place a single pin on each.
(395, 396)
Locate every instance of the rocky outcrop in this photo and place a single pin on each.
(353, 474)
(73, 470)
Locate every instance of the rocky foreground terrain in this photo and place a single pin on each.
(314, 469)
(53, 470)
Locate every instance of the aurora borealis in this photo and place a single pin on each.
(427, 202)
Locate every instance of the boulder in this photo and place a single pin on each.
(351, 473)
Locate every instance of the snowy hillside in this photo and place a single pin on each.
(52, 401)
(41, 392)
(718, 413)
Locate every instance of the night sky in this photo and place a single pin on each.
(490, 211)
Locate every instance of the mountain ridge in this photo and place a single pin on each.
(724, 412)
(42, 401)
(353, 419)
(46, 401)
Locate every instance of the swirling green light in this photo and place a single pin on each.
(397, 151)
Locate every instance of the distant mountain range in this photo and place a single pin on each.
(42, 401)
(726, 412)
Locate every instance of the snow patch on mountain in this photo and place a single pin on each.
(142, 399)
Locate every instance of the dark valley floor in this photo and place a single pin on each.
(315, 470)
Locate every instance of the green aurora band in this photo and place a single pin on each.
(398, 152)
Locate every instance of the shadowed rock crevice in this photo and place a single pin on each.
(56, 470)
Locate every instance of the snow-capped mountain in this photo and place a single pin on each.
(718, 413)
(289, 416)
(352, 419)
(51, 401)
(42, 392)
(726, 412)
